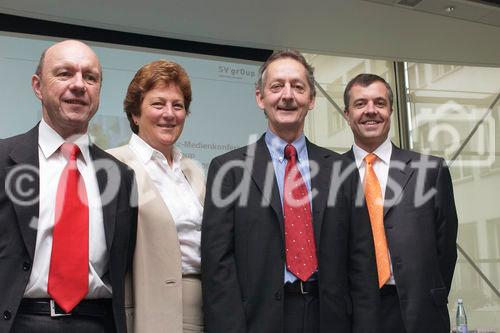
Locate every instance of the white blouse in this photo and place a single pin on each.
(178, 195)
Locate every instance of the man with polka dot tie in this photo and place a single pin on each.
(414, 233)
(267, 209)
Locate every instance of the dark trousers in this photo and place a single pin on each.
(391, 317)
(34, 323)
(301, 313)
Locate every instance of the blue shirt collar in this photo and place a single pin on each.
(276, 146)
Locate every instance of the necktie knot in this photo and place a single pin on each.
(70, 151)
(290, 152)
(370, 158)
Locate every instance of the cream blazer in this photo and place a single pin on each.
(153, 296)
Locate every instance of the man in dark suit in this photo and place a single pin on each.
(416, 246)
(269, 221)
(67, 225)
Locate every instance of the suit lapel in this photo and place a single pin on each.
(263, 168)
(399, 174)
(261, 171)
(105, 173)
(350, 155)
(194, 178)
(321, 183)
(149, 196)
(25, 171)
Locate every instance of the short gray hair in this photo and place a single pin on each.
(292, 54)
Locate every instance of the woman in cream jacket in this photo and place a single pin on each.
(164, 289)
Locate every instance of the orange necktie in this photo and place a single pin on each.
(68, 273)
(375, 203)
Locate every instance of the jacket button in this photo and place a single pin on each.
(7, 315)
(26, 265)
(277, 296)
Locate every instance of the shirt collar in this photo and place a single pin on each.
(49, 141)
(277, 145)
(383, 152)
(146, 153)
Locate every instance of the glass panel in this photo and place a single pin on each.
(325, 124)
(446, 104)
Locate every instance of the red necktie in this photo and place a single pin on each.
(68, 274)
(299, 237)
(374, 201)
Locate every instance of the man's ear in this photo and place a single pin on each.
(258, 98)
(312, 103)
(36, 85)
(346, 116)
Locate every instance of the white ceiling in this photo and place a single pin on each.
(468, 10)
(372, 28)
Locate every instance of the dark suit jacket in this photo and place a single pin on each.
(18, 222)
(421, 229)
(242, 246)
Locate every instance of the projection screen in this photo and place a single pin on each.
(223, 115)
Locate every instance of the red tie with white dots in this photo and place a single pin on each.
(299, 236)
(68, 274)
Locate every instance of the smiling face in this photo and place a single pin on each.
(285, 98)
(369, 115)
(68, 87)
(161, 118)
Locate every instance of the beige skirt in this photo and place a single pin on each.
(192, 304)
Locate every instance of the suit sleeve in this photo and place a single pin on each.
(133, 202)
(222, 304)
(446, 224)
(362, 270)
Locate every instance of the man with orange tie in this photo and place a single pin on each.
(276, 249)
(412, 213)
(67, 222)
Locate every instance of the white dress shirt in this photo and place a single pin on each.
(52, 163)
(179, 197)
(381, 168)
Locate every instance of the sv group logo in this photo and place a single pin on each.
(236, 72)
